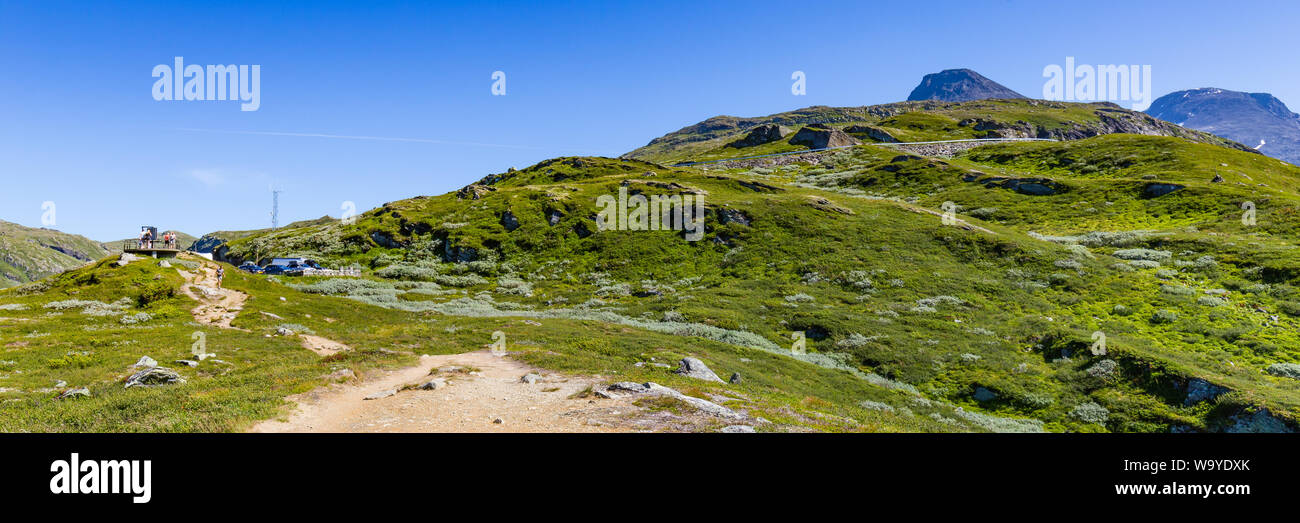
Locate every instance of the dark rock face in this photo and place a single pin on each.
(474, 191)
(207, 243)
(509, 221)
(384, 240)
(1249, 118)
(728, 215)
(553, 217)
(1026, 186)
(959, 85)
(581, 230)
(873, 133)
(1199, 390)
(1156, 190)
(760, 135)
(822, 137)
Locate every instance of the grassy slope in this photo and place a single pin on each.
(43, 345)
(1027, 306)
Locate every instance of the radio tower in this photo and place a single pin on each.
(275, 208)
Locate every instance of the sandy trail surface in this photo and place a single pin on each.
(484, 395)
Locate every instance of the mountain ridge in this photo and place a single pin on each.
(1248, 118)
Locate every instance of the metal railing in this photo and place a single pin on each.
(151, 245)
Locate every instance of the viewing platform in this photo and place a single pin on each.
(154, 249)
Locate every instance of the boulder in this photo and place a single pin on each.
(79, 392)
(694, 368)
(760, 135)
(145, 361)
(737, 429)
(1218, 178)
(1199, 390)
(1156, 190)
(187, 363)
(381, 394)
(154, 377)
(822, 137)
(433, 384)
(735, 378)
(874, 133)
(530, 378)
(728, 215)
(626, 388)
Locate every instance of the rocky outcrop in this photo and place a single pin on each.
(1156, 190)
(817, 137)
(154, 377)
(627, 388)
(474, 191)
(761, 135)
(728, 215)
(959, 85)
(1025, 186)
(509, 221)
(694, 368)
(873, 133)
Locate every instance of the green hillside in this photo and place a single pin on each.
(28, 254)
(1105, 282)
(919, 121)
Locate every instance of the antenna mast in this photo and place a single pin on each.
(275, 208)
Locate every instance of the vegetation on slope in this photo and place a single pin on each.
(29, 254)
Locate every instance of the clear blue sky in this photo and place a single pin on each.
(79, 127)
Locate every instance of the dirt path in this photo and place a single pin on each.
(322, 346)
(217, 306)
(487, 388)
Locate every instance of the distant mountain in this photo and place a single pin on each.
(959, 85)
(1248, 118)
(29, 254)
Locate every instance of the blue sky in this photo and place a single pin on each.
(79, 127)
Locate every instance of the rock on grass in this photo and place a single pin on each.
(694, 368)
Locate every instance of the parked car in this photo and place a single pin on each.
(277, 270)
(250, 267)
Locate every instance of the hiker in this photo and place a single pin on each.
(221, 273)
(144, 236)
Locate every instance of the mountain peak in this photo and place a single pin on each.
(959, 85)
(1249, 118)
